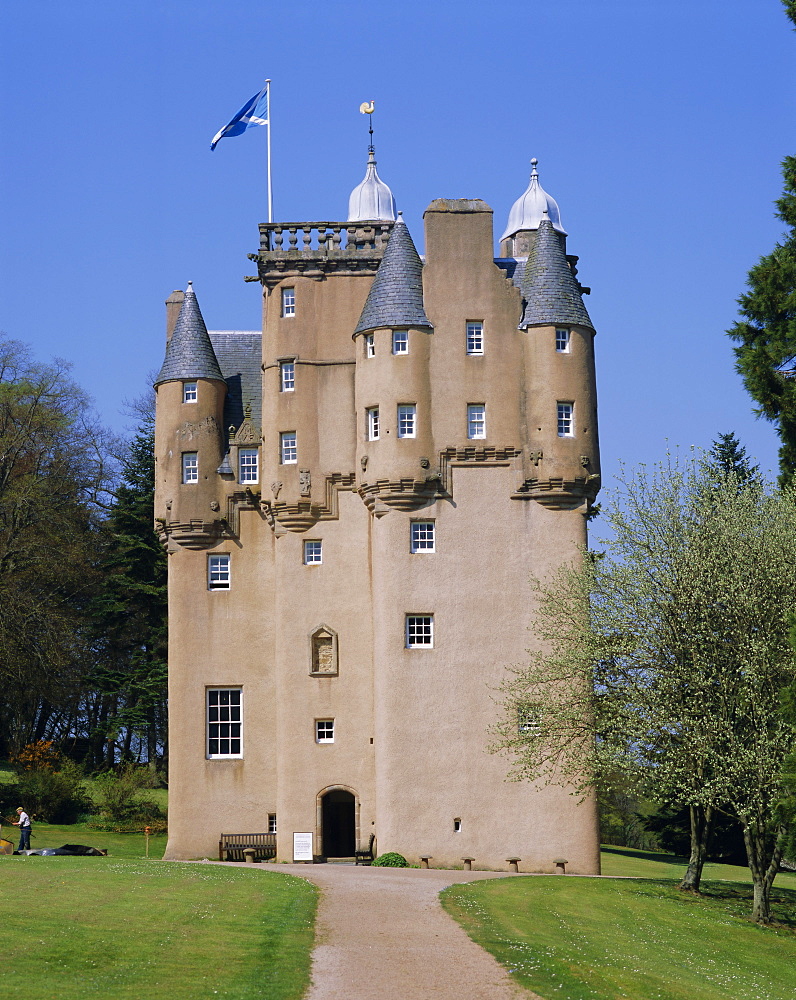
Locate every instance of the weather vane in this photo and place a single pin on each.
(367, 108)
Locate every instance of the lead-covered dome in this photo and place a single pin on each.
(529, 210)
(372, 199)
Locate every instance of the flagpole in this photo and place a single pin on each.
(270, 191)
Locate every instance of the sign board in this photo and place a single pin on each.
(302, 847)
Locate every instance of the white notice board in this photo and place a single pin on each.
(302, 847)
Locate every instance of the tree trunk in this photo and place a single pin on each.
(764, 862)
(701, 827)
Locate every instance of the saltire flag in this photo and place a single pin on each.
(253, 112)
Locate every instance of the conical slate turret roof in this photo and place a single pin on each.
(189, 353)
(396, 295)
(371, 199)
(552, 295)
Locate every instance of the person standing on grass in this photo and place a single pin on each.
(23, 822)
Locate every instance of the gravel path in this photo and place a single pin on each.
(382, 933)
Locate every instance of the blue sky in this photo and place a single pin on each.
(659, 129)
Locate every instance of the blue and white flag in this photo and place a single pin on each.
(253, 112)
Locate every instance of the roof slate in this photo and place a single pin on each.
(189, 353)
(239, 354)
(551, 293)
(396, 295)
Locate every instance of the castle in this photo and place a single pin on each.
(355, 504)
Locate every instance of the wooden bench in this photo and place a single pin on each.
(365, 857)
(232, 845)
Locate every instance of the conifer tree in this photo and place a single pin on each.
(130, 676)
(766, 333)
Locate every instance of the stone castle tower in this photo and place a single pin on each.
(355, 504)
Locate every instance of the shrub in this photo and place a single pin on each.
(122, 809)
(52, 796)
(391, 860)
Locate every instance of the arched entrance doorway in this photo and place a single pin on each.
(338, 823)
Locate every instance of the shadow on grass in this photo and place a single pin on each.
(666, 859)
(737, 900)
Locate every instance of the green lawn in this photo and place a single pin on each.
(118, 845)
(119, 929)
(633, 939)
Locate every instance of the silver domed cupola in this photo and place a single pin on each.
(372, 199)
(529, 210)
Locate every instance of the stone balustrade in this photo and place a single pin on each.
(313, 238)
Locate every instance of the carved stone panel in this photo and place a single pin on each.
(323, 652)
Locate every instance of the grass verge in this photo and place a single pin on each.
(605, 939)
(119, 929)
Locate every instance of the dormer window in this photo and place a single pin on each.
(247, 465)
(189, 392)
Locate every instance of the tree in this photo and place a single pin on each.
(766, 334)
(672, 647)
(728, 456)
(130, 615)
(55, 474)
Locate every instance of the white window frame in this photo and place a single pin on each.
(288, 302)
(474, 334)
(407, 420)
(272, 823)
(313, 547)
(373, 428)
(248, 471)
(476, 421)
(190, 467)
(370, 345)
(324, 731)
(288, 448)
(219, 576)
(400, 341)
(214, 727)
(563, 337)
(287, 376)
(566, 419)
(190, 392)
(419, 631)
(422, 537)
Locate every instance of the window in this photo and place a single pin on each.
(421, 536)
(224, 722)
(562, 341)
(190, 467)
(419, 631)
(457, 825)
(565, 422)
(287, 448)
(218, 572)
(313, 553)
(370, 345)
(288, 301)
(475, 338)
(272, 822)
(400, 342)
(247, 465)
(373, 423)
(476, 420)
(407, 418)
(528, 720)
(324, 730)
(189, 392)
(287, 373)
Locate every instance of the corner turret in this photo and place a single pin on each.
(189, 432)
